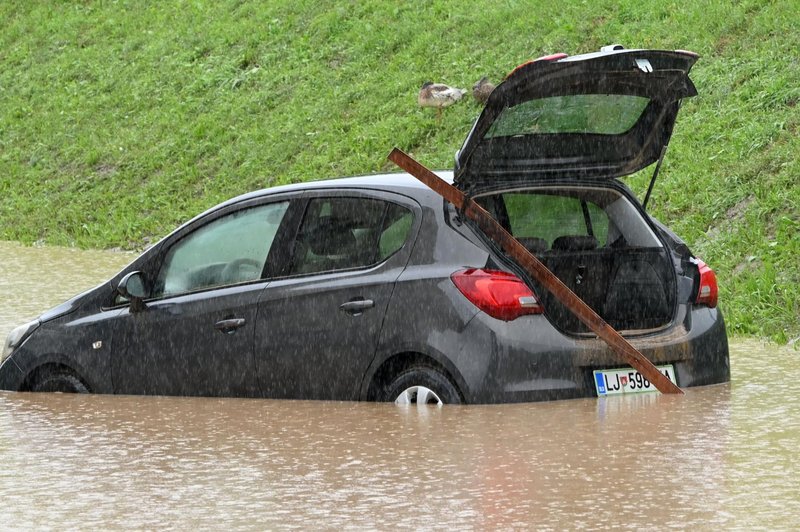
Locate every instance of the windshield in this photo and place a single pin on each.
(606, 114)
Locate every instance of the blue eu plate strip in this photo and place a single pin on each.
(601, 385)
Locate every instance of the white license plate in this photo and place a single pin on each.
(627, 380)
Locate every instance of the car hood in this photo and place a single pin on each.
(594, 116)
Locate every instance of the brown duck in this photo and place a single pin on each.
(482, 89)
(438, 95)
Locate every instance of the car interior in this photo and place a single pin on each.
(597, 243)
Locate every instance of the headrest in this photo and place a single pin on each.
(533, 244)
(330, 237)
(575, 243)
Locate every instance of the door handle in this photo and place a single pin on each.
(357, 307)
(230, 325)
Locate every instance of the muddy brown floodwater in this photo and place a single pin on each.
(722, 457)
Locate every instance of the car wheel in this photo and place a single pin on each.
(421, 385)
(58, 381)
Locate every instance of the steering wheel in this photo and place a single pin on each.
(233, 273)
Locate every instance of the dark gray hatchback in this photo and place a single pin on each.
(374, 288)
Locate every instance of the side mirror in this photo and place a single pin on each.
(131, 287)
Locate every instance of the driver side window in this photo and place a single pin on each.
(232, 249)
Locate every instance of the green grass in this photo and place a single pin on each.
(120, 119)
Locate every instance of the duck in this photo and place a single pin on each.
(438, 95)
(482, 89)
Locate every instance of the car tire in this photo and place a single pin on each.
(421, 385)
(58, 381)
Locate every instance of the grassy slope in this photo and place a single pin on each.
(120, 119)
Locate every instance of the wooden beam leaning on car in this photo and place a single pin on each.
(538, 270)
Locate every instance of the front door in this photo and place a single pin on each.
(195, 336)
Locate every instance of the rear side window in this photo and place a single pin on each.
(396, 226)
(342, 233)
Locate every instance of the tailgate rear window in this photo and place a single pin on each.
(605, 114)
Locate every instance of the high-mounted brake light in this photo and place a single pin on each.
(708, 290)
(551, 57)
(499, 294)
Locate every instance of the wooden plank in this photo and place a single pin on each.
(538, 270)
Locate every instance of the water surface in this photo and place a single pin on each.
(718, 457)
(36, 278)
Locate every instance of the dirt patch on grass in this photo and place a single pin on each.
(737, 211)
(731, 215)
(751, 263)
(105, 170)
(722, 44)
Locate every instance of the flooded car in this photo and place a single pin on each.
(375, 288)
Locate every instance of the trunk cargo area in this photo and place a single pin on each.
(632, 289)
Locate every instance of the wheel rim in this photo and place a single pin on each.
(419, 395)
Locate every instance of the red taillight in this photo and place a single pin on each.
(707, 291)
(499, 294)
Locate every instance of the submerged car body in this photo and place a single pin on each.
(374, 288)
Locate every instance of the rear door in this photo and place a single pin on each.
(319, 321)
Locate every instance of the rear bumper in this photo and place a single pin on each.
(529, 360)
